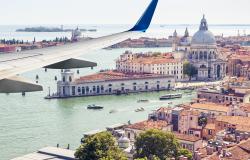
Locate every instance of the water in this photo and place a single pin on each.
(31, 122)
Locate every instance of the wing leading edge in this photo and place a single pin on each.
(60, 56)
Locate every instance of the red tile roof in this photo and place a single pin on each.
(150, 124)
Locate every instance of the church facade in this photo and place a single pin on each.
(201, 51)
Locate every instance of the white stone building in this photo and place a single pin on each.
(202, 52)
(111, 82)
(163, 64)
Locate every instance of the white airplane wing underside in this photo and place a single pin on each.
(61, 57)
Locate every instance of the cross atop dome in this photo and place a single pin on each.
(203, 25)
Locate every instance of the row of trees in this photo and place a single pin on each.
(150, 145)
(12, 41)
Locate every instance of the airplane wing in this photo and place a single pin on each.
(61, 57)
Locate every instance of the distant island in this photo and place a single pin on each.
(54, 29)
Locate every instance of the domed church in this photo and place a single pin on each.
(203, 54)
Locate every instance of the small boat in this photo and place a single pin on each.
(112, 111)
(142, 101)
(140, 109)
(171, 96)
(95, 107)
(188, 91)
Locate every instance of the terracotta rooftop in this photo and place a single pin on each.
(236, 120)
(186, 137)
(210, 126)
(113, 75)
(164, 109)
(149, 124)
(210, 107)
(186, 111)
(245, 107)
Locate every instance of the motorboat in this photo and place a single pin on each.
(142, 101)
(140, 109)
(94, 107)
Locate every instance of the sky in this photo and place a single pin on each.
(33, 12)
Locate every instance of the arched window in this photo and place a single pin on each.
(205, 55)
(83, 90)
(87, 89)
(201, 55)
(93, 89)
(79, 89)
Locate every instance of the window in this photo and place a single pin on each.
(79, 89)
(70, 78)
(134, 88)
(63, 78)
(83, 90)
(210, 132)
(73, 90)
(191, 118)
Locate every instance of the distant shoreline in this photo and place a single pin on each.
(47, 29)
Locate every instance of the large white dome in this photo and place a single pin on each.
(203, 36)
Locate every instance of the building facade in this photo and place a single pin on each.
(155, 63)
(202, 52)
(111, 82)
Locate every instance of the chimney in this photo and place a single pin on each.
(195, 154)
(246, 135)
(219, 149)
(181, 157)
(224, 153)
(209, 150)
(199, 156)
(238, 139)
(242, 136)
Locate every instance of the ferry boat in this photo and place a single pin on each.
(95, 107)
(171, 96)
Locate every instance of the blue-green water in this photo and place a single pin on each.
(31, 122)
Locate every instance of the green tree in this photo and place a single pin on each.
(101, 146)
(156, 143)
(189, 69)
(186, 153)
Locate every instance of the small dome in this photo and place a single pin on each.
(123, 142)
(203, 36)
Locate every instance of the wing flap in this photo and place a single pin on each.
(72, 63)
(17, 85)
